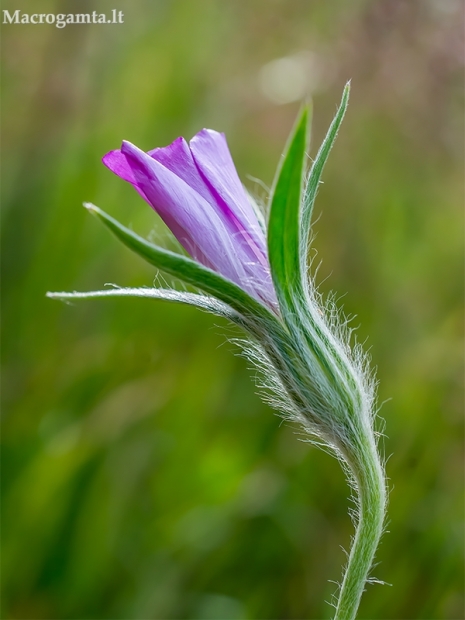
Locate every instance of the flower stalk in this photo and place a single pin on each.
(259, 280)
(371, 498)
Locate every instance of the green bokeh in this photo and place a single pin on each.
(142, 475)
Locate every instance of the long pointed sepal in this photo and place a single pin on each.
(208, 304)
(284, 236)
(185, 269)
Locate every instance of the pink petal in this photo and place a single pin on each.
(190, 217)
(214, 161)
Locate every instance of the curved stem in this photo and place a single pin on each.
(369, 476)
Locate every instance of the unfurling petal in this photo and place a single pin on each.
(212, 156)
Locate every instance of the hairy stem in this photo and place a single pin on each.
(371, 488)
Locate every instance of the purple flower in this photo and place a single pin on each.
(196, 191)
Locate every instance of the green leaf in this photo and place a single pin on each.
(284, 221)
(186, 269)
(314, 177)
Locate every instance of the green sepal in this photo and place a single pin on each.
(288, 250)
(284, 236)
(206, 303)
(316, 170)
(186, 270)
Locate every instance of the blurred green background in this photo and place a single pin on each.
(142, 475)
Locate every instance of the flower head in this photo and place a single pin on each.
(195, 189)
